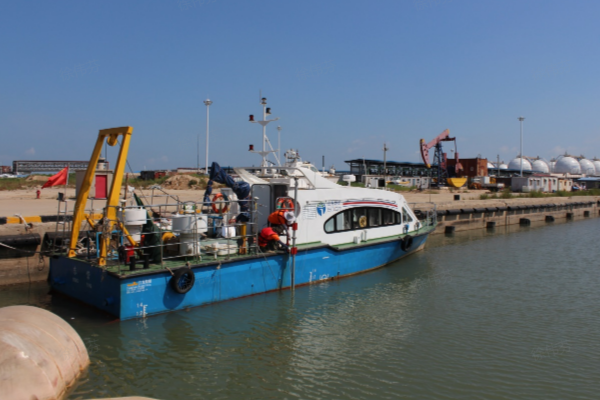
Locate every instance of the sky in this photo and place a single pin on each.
(343, 77)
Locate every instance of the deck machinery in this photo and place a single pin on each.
(444, 176)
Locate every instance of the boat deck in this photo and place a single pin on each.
(123, 270)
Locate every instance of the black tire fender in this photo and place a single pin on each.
(183, 280)
(407, 243)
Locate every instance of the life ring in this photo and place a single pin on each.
(407, 243)
(285, 203)
(222, 209)
(362, 221)
(183, 280)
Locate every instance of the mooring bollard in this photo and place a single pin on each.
(491, 225)
(549, 218)
(449, 230)
(524, 222)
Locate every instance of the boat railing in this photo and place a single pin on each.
(207, 236)
(426, 212)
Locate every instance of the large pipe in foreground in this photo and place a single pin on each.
(41, 355)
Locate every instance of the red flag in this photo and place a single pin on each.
(58, 179)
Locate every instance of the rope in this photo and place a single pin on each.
(21, 250)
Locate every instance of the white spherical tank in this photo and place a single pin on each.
(567, 165)
(597, 165)
(516, 164)
(541, 166)
(587, 167)
(503, 166)
(491, 166)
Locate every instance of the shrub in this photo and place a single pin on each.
(484, 196)
(192, 182)
(506, 194)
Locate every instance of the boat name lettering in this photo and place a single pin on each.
(139, 286)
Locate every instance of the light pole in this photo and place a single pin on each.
(207, 102)
(521, 119)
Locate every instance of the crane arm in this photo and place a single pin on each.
(112, 138)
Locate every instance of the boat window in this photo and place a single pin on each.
(330, 225)
(342, 221)
(374, 217)
(362, 218)
(388, 216)
(359, 218)
(406, 216)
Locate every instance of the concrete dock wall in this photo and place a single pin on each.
(521, 211)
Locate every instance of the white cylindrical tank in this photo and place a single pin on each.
(541, 166)
(134, 219)
(189, 227)
(567, 165)
(41, 355)
(587, 167)
(597, 165)
(516, 164)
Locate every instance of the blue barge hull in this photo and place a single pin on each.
(149, 292)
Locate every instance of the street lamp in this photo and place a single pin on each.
(521, 119)
(207, 102)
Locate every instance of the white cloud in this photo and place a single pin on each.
(30, 151)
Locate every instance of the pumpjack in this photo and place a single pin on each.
(445, 177)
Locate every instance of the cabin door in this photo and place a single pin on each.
(264, 205)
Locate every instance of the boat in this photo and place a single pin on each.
(140, 259)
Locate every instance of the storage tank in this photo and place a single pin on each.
(541, 166)
(587, 167)
(597, 165)
(503, 165)
(516, 164)
(552, 165)
(491, 166)
(567, 165)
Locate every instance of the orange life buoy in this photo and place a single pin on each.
(285, 203)
(224, 208)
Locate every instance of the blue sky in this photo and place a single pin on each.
(343, 76)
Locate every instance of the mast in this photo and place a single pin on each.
(265, 139)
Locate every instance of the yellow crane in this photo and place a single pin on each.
(112, 138)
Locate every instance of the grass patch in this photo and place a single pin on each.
(506, 194)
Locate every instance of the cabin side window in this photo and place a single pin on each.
(362, 218)
(406, 216)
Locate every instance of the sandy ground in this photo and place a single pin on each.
(24, 202)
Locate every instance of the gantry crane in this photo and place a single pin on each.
(440, 160)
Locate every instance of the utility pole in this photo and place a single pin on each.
(521, 119)
(207, 102)
(385, 149)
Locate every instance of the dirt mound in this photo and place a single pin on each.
(37, 178)
(186, 182)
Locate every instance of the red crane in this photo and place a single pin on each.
(439, 158)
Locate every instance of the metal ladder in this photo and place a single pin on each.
(62, 218)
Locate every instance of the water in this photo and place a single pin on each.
(478, 315)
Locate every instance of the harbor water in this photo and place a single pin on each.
(512, 313)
